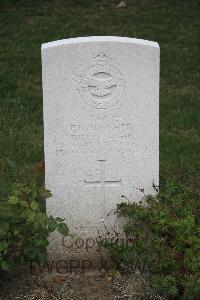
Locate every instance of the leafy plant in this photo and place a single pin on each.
(24, 226)
(165, 231)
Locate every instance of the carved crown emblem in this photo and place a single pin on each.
(101, 59)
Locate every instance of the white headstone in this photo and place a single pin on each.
(101, 128)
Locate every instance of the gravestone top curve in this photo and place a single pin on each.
(95, 39)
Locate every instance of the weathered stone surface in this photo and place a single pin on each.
(101, 128)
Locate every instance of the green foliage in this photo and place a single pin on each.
(165, 231)
(24, 226)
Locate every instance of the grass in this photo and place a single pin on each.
(25, 25)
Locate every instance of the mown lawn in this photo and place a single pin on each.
(25, 25)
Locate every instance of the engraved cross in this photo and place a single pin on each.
(102, 183)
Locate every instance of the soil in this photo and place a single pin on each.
(102, 285)
(23, 285)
